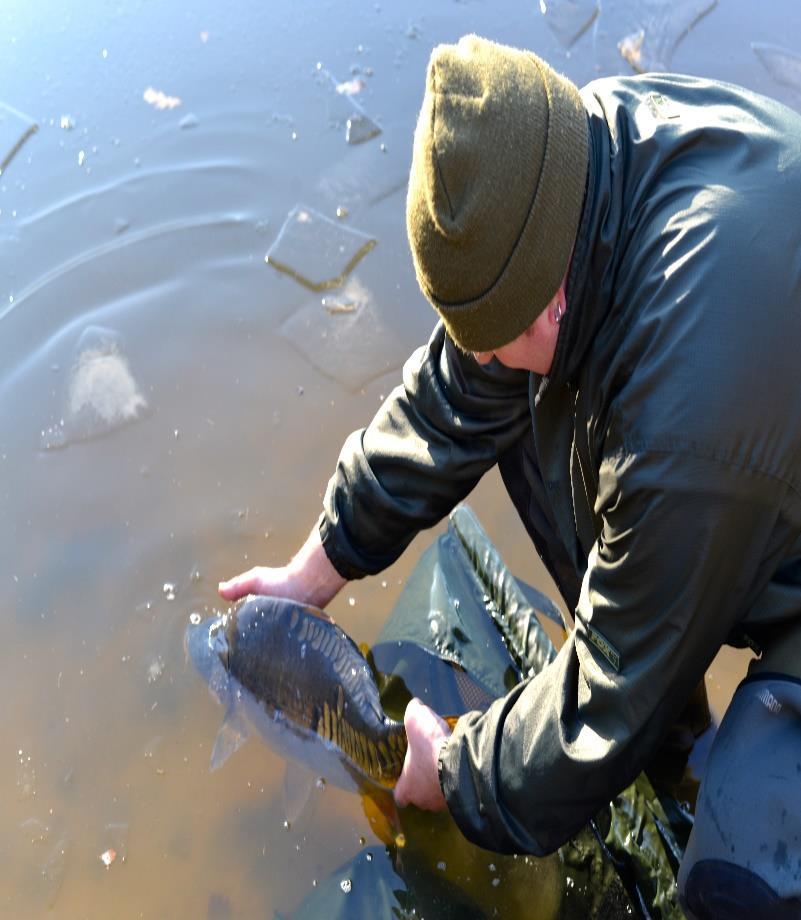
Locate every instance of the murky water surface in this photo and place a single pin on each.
(171, 404)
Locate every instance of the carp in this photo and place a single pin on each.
(287, 670)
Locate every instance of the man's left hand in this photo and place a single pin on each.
(418, 783)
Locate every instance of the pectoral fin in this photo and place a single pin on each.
(232, 735)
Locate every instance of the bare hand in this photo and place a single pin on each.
(261, 579)
(309, 578)
(419, 780)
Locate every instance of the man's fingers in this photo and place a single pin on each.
(240, 585)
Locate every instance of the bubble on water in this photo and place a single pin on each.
(316, 251)
(569, 19)
(26, 777)
(643, 33)
(195, 618)
(155, 669)
(346, 885)
(100, 395)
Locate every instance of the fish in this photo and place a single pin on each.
(289, 671)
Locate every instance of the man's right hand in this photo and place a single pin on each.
(309, 578)
(261, 579)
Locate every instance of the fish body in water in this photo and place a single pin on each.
(287, 670)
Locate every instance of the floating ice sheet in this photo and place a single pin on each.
(569, 19)
(316, 251)
(344, 336)
(101, 393)
(644, 33)
(781, 63)
(15, 129)
(344, 112)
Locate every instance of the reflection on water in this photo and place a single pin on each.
(135, 304)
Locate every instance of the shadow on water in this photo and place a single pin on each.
(149, 157)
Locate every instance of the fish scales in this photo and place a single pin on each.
(300, 668)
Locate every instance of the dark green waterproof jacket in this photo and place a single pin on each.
(657, 468)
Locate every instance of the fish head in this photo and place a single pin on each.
(206, 645)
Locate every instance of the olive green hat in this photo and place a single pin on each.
(496, 188)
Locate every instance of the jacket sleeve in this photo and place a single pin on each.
(686, 544)
(427, 447)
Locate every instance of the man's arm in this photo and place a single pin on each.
(428, 445)
(687, 545)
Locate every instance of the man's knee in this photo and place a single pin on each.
(714, 889)
(743, 858)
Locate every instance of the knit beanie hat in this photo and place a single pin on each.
(496, 188)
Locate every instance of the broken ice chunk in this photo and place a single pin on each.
(101, 394)
(316, 251)
(360, 128)
(569, 19)
(345, 337)
(15, 129)
(781, 63)
(344, 111)
(644, 33)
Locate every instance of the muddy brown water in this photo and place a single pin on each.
(171, 406)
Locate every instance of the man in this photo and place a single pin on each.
(618, 276)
